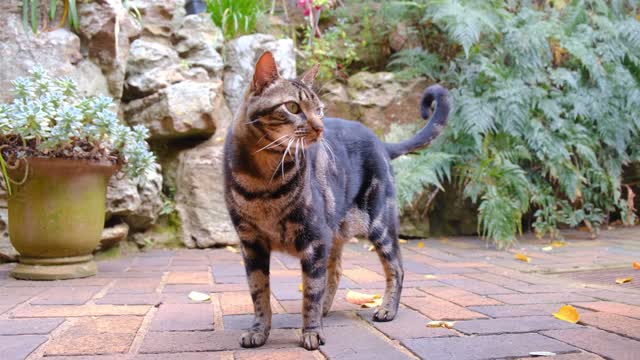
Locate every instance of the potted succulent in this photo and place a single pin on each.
(58, 151)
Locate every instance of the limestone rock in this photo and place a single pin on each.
(376, 99)
(199, 41)
(113, 235)
(160, 17)
(7, 252)
(240, 57)
(58, 51)
(184, 109)
(138, 204)
(200, 196)
(107, 28)
(151, 66)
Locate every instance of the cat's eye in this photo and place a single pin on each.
(292, 107)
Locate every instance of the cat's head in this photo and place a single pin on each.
(286, 111)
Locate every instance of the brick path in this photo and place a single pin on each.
(137, 307)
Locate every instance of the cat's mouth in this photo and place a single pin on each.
(308, 136)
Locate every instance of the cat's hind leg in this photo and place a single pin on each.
(383, 234)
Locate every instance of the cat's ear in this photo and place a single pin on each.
(310, 75)
(266, 72)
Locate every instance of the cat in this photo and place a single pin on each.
(304, 184)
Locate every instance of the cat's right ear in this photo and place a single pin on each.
(266, 72)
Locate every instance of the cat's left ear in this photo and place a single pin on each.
(310, 75)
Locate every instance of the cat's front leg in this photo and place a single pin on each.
(314, 274)
(256, 261)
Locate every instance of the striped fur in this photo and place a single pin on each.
(304, 184)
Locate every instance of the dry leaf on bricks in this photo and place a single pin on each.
(567, 313)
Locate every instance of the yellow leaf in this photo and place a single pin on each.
(430, 277)
(359, 298)
(441, 324)
(301, 287)
(371, 248)
(567, 313)
(522, 257)
(232, 249)
(624, 280)
(636, 265)
(558, 244)
(373, 303)
(220, 139)
(420, 245)
(198, 296)
(402, 241)
(547, 248)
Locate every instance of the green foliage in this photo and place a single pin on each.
(546, 110)
(334, 51)
(69, 13)
(50, 119)
(235, 17)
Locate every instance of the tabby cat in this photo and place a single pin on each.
(304, 184)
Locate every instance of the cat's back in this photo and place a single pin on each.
(351, 134)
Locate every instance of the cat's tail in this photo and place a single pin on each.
(435, 126)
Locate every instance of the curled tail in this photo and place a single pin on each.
(435, 126)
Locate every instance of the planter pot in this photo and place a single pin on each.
(56, 217)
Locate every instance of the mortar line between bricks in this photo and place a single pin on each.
(218, 320)
(38, 353)
(143, 330)
(100, 294)
(564, 342)
(395, 343)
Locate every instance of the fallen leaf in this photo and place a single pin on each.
(373, 303)
(430, 277)
(198, 296)
(359, 298)
(420, 245)
(558, 243)
(441, 324)
(624, 280)
(567, 313)
(547, 248)
(542, 353)
(402, 241)
(232, 249)
(636, 265)
(219, 139)
(301, 287)
(522, 257)
(444, 239)
(371, 248)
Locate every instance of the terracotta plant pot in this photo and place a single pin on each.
(56, 217)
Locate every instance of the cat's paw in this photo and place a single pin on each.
(312, 339)
(383, 314)
(253, 338)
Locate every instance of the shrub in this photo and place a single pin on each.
(47, 118)
(546, 110)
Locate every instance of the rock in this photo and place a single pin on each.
(113, 235)
(240, 57)
(151, 66)
(199, 41)
(107, 28)
(7, 252)
(375, 99)
(58, 51)
(139, 205)
(200, 196)
(403, 37)
(160, 18)
(184, 109)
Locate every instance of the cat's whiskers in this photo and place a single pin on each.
(281, 163)
(273, 143)
(325, 144)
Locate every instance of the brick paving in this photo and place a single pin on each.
(137, 307)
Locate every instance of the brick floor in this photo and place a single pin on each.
(137, 307)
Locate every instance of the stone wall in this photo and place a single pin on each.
(174, 74)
